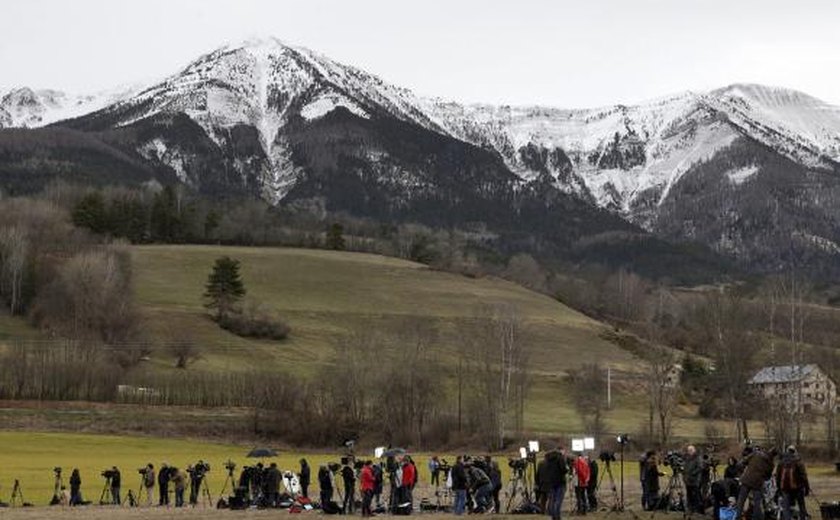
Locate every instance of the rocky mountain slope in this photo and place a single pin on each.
(285, 123)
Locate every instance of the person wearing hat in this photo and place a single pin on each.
(792, 483)
(758, 468)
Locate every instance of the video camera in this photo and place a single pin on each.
(57, 471)
(674, 460)
(143, 471)
(444, 466)
(518, 465)
(109, 474)
(710, 460)
(606, 456)
(334, 466)
(230, 466)
(199, 470)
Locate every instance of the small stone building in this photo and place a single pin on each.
(805, 388)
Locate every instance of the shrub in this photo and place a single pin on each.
(254, 321)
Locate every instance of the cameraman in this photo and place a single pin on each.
(305, 477)
(116, 482)
(650, 481)
(693, 478)
(149, 483)
(459, 485)
(758, 468)
(325, 483)
(555, 475)
(348, 476)
(480, 485)
(179, 483)
(75, 488)
(434, 471)
(271, 485)
(164, 476)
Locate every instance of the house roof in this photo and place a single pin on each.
(783, 374)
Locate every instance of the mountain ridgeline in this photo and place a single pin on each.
(749, 172)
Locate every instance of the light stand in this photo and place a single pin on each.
(622, 440)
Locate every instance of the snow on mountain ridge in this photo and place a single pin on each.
(619, 156)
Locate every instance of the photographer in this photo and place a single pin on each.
(733, 469)
(179, 484)
(555, 474)
(367, 485)
(271, 485)
(591, 490)
(434, 471)
(480, 485)
(409, 480)
(326, 485)
(541, 488)
(581, 467)
(116, 482)
(305, 477)
(348, 476)
(459, 485)
(693, 479)
(758, 469)
(75, 488)
(164, 476)
(650, 479)
(495, 479)
(149, 482)
(378, 483)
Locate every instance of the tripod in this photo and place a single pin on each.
(616, 499)
(17, 495)
(135, 501)
(675, 484)
(229, 480)
(518, 486)
(105, 492)
(446, 496)
(204, 491)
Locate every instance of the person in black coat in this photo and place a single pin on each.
(116, 483)
(325, 483)
(163, 478)
(305, 477)
(75, 488)
(591, 490)
(556, 471)
(348, 475)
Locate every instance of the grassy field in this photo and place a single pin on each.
(31, 456)
(325, 295)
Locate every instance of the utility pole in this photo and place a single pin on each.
(609, 388)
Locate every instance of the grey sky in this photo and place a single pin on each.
(563, 53)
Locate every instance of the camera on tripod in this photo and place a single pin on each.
(675, 461)
(607, 456)
(143, 471)
(517, 465)
(230, 466)
(109, 474)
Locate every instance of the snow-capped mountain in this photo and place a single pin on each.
(24, 107)
(284, 122)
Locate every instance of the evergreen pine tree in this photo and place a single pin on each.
(224, 287)
(90, 213)
(335, 237)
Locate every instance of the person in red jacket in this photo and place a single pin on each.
(582, 474)
(409, 479)
(367, 485)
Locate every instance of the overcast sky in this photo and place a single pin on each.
(555, 52)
